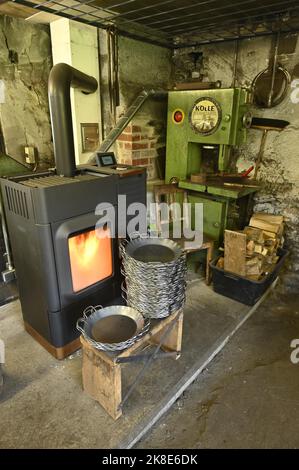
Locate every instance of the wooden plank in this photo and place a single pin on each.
(254, 234)
(173, 342)
(200, 178)
(156, 327)
(210, 253)
(235, 252)
(159, 326)
(102, 376)
(266, 225)
(270, 235)
(195, 85)
(11, 9)
(272, 219)
(101, 380)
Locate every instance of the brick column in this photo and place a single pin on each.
(137, 145)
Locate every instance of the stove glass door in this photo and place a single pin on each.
(91, 258)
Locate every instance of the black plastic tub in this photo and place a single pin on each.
(240, 288)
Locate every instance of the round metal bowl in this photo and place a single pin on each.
(111, 328)
(153, 250)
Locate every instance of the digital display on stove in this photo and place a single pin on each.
(106, 159)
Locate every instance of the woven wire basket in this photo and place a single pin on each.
(90, 314)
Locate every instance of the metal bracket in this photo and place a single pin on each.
(150, 359)
(142, 357)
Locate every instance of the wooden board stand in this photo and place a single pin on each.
(101, 370)
(235, 252)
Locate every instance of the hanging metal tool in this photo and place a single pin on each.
(270, 85)
(265, 125)
(270, 99)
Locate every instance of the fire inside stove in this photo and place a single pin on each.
(90, 257)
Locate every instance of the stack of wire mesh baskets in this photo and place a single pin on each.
(155, 276)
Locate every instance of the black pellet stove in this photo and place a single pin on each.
(62, 266)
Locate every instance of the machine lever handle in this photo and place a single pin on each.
(247, 172)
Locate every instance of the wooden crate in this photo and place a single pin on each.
(101, 371)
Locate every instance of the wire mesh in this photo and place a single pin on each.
(156, 289)
(174, 23)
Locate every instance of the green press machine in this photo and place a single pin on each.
(203, 126)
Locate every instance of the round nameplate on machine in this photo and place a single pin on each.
(205, 116)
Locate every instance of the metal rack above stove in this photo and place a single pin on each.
(177, 24)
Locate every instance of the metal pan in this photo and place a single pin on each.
(111, 328)
(153, 250)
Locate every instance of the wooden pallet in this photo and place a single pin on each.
(101, 371)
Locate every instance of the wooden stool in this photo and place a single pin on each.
(101, 370)
(171, 192)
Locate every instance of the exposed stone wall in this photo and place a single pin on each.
(141, 66)
(25, 62)
(279, 172)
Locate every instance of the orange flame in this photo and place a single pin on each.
(90, 258)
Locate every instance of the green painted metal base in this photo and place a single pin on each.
(232, 192)
(220, 211)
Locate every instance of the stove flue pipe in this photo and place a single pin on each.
(62, 78)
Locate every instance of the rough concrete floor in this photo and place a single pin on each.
(248, 397)
(42, 404)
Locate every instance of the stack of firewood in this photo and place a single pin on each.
(264, 237)
(252, 253)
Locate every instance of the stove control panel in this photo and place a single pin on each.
(106, 163)
(105, 159)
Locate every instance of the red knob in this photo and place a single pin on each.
(178, 116)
